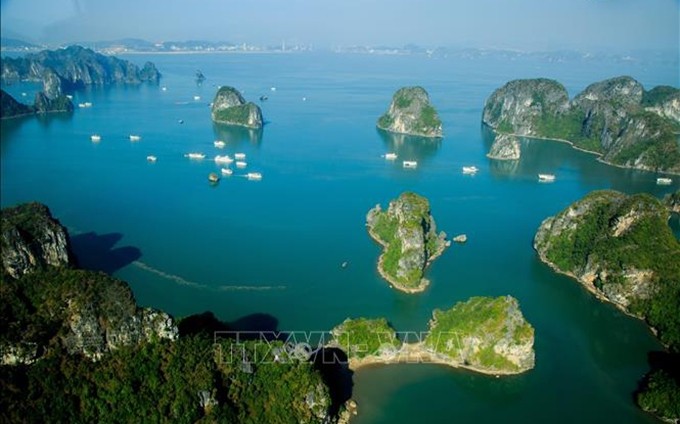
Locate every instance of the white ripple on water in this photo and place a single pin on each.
(184, 282)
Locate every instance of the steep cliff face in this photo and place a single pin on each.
(505, 147)
(230, 108)
(621, 249)
(47, 301)
(76, 67)
(488, 334)
(410, 112)
(672, 201)
(10, 108)
(32, 239)
(408, 233)
(615, 118)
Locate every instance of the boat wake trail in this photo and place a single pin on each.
(184, 282)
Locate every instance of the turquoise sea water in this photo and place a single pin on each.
(269, 252)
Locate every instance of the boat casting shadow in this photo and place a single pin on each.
(97, 252)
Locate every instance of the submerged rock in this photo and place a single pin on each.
(229, 107)
(410, 112)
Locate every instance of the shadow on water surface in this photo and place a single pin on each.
(409, 147)
(235, 135)
(97, 252)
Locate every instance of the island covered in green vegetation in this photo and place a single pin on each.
(484, 334)
(230, 108)
(408, 234)
(410, 112)
(617, 119)
(11, 108)
(621, 248)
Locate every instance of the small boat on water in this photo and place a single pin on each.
(194, 155)
(213, 177)
(96, 138)
(664, 181)
(546, 178)
(226, 171)
(197, 98)
(239, 156)
(409, 164)
(223, 159)
(85, 105)
(254, 176)
(164, 88)
(219, 144)
(151, 158)
(390, 156)
(263, 98)
(135, 137)
(241, 164)
(470, 170)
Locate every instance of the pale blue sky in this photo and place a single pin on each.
(516, 24)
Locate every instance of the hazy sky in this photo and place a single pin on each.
(518, 24)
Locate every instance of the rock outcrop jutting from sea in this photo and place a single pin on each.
(483, 334)
(622, 250)
(616, 119)
(408, 234)
(410, 112)
(86, 313)
(505, 147)
(230, 108)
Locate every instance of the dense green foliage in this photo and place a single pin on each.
(484, 318)
(234, 114)
(10, 108)
(363, 337)
(162, 382)
(658, 95)
(661, 394)
(648, 244)
(418, 115)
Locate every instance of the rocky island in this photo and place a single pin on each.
(621, 248)
(73, 68)
(11, 108)
(505, 147)
(75, 347)
(230, 108)
(410, 112)
(617, 119)
(483, 334)
(408, 234)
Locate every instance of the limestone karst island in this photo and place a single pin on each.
(408, 234)
(410, 112)
(230, 108)
(617, 119)
(484, 334)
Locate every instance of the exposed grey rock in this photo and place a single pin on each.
(410, 112)
(230, 108)
(505, 147)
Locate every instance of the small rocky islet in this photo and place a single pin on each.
(230, 108)
(408, 234)
(411, 112)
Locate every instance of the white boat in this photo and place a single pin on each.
(195, 155)
(241, 164)
(239, 156)
(226, 171)
(68, 96)
(85, 105)
(254, 176)
(546, 178)
(151, 158)
(219, 144)
(470, 170)
(409, 164)
(223, 159)
(197, 97)
(164, 88)
(390, 156)
(664, 181)
(96, 137)
(135, 137)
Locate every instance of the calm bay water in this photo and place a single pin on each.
(270, 252)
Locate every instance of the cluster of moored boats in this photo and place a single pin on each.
(239, 160)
